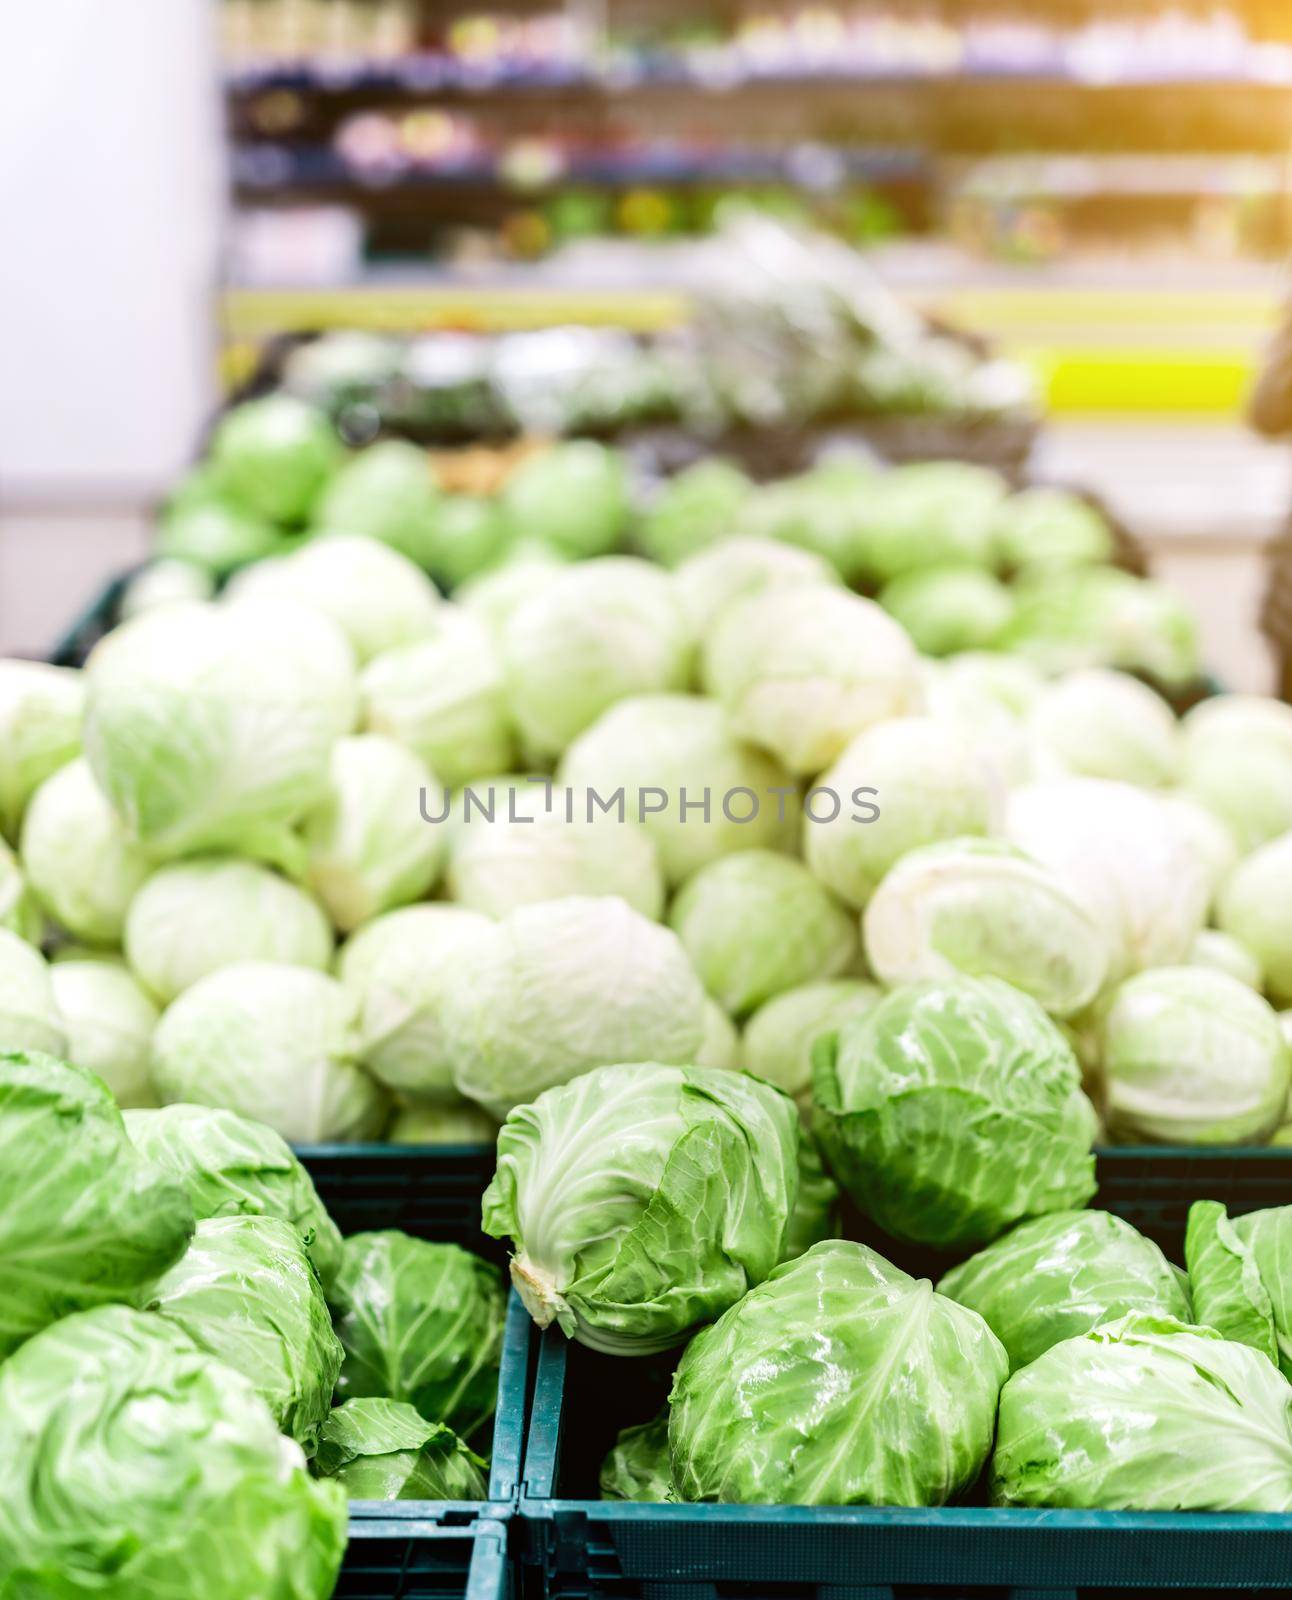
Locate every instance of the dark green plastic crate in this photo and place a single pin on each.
(413, 1549)
(578, 1547)
(411, 1557)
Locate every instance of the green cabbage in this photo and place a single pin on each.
(816, 1207)
(778, 1038)
(1191, 1056)
(376, 596)
(276, 1043)
(643, 1200)
(84, 1219)
(398, 969)
(756, 924)
(839, 1381)
(980, 907)
(245, 1291)
(468, 535)
(573, 497)
(445, 698)
(928, 782)
(192, 918)
(637, 1468)
(233, 1167)
(800, 670)
(599, 632)
(699, 507)
(1146, 1414)
(1061, 1275)
(525, 1004)
(433, 1124)
(275, 456)
(1268, 1235)
(388, 493)
(40, 731)
(1048, 529)
(80, 862)
(20, 911)
(1253, 908)
(369, 846)
(142, 1469)
(109, 1023)
(929, 514)
(1104, 724)
(953, 1110)
(738, 568)
(1225, 1280)
(421, 1323)
(385, 1450)
(215, 536)
(209, 726)
(653, 747)
(29, 1018)
(948, 609)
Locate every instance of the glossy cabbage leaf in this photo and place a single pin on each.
(234, 1167)
(778, 1038)
(422, 1323)
(643, 1200)
(1268, 1235)
(1146, 1414)
(141, 1463)
(839, 1381)
(1061, 1275)
(953, 1110)
(1225, 1280)
(816, 1209)
(245, 1291)
(84, 1219)
(386, 1450)
(637, 1467)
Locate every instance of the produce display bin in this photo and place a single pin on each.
(411, 1557)
(575, 1546)
(417, 1548)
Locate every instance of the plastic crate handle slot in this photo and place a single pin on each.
(513, 1385)
(491, 1574)
(547, 1417)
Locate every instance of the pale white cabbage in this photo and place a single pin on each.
(656, 746)
(558, 988)
(1210, 841)
(738, 568)
(1124, 857)
(1191, 1056)
(369, 846)
(528, 852)
(209, 726)
(399, 969)
(193, 917)
(430, 1123)
(273, 1042)
(29, 1018)
(445, 698)
(1224, 953)
(597, 633)
(166, 582)
(983, 908)
(756, 924)
(494, 594)
(801, 670)
(720, 1046)
(19, 910)
(778, 1038)
(928, 781)
(1105, 724)
(109, 1023)
(40, 731)
(376, 596)
(1245, 717)
(1246, 782)
(1255, 907)
(80, 862)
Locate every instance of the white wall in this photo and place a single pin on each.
(111, 203)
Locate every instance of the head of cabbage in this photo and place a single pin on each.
(953, 1110)
(643, 1200)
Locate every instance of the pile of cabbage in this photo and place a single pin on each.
(197, 1372)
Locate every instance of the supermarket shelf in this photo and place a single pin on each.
(273, 169)
(419, 75)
